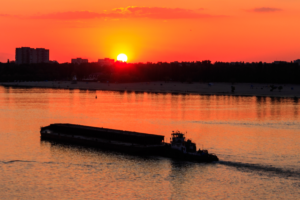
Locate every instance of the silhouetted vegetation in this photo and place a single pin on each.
(191, 72)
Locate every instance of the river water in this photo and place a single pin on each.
(256, 139)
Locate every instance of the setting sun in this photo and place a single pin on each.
(122, 57)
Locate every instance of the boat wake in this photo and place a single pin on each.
(14, 161)
(53, 163)
(276, 125)
(263, 169)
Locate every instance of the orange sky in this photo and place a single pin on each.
(190, 30)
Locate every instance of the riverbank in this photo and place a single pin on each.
(241, 89)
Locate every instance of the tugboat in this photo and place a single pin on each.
(180, 148)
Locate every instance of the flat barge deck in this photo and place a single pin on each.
(111, 139)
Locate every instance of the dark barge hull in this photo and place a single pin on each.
(118, 140)
(107, 145)
(108, 139)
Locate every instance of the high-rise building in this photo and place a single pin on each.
(42, 55)
(27, 55)
(106, 61)
(79, 61)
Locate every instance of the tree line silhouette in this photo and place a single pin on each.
(204, 71)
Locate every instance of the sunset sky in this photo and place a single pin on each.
(156, 30)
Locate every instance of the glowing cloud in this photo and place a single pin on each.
(128, 12)
(164, 13)
(265, 9)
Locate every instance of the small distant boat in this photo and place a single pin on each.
(127, 141)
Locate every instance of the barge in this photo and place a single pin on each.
(127, 141)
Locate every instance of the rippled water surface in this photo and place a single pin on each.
(256, 139)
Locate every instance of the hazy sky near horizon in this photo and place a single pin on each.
(156, 30)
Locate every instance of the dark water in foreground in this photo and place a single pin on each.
(256, 139)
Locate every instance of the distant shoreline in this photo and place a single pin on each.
(241, 89)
